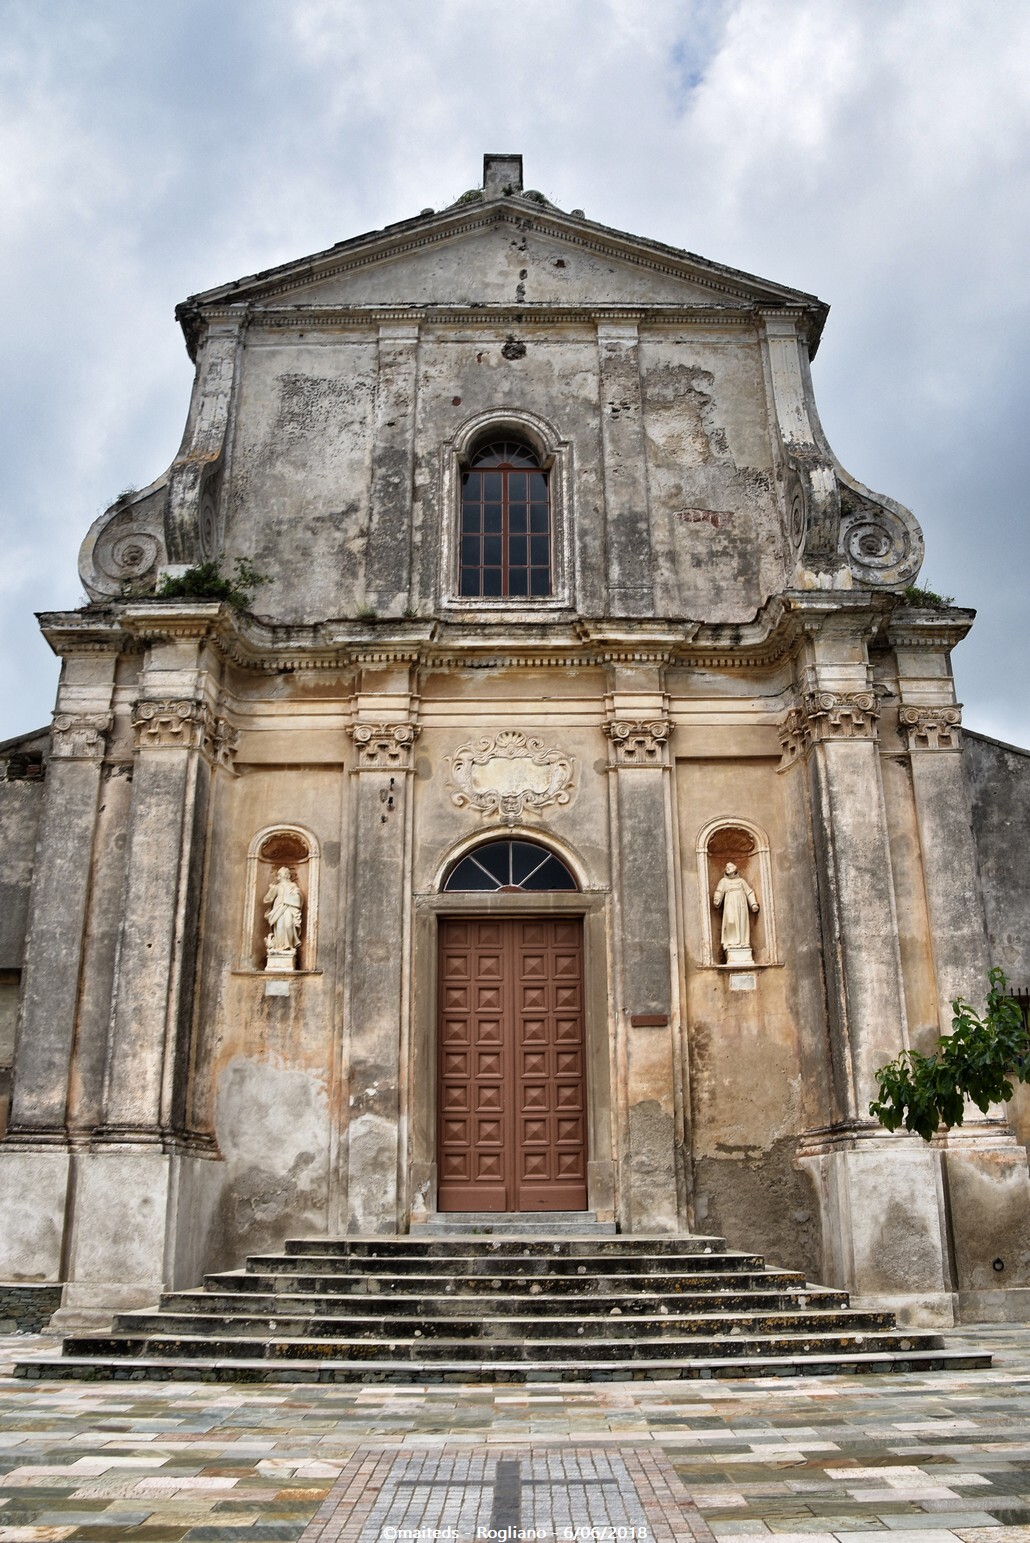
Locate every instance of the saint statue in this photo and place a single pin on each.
(284, 901)
(735, 898)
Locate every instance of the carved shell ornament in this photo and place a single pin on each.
(509, 773)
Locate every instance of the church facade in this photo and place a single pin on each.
(573, 821)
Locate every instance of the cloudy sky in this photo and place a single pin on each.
(876, 154)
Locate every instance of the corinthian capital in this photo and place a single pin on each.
(639, 741)
(931, 728)
(184, 725)
(821, 715)
(384, 746)
(79, 736)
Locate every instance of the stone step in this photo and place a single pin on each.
(613, 1325)
(500, 1309)
(410, 1247)
(505, 1263)
(513, 1351)
(408, 1374)
(513, 1223)
(531, 1283)
(501, 1303)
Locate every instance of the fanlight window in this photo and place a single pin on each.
(505, 524)
(507, 866)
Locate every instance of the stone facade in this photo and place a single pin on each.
(719, 668)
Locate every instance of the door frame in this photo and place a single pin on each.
(420, 1181)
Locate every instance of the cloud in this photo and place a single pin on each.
(878, 158)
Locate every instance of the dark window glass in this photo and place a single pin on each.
(499, 865)
(496, 503)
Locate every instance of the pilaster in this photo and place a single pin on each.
(647, 1071)
(384, 734)
(627, 519)
(180, 739)
(388, 552)
(61, 900)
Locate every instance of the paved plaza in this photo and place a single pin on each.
(938, 1456)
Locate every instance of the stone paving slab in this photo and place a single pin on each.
(925, 1457)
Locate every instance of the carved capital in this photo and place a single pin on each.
(384, 746)
(173, 725)
(79, 736)
(821, 715)
(931, 728)
(639, 741)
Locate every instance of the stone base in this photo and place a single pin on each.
(884, 1222)
(120, 1225)
(33, 1202)
(1007, 1306)
(912, 1309)
(142, 1221)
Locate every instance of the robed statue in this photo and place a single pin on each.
(284, 901)
(738, 902)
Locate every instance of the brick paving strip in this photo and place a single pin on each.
(461, 1494)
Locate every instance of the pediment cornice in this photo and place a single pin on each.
(730, 288)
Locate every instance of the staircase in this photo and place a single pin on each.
(485, 1306)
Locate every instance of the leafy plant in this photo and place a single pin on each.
(205, 581)
(927, 599)
(978, 1060)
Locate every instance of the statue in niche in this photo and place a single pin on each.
(737, 901)
(284, 901)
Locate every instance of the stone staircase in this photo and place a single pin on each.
(487, 1306)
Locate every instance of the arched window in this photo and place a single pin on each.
(509, 865)
(505, 523)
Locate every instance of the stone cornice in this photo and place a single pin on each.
(502, 315)
(913, 628)
(773, 636)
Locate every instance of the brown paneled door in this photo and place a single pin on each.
(511, 1118)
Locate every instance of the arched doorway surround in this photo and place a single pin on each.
(510, 1009)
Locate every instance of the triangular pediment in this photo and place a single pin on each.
(504, 251)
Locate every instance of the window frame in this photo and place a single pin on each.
(554, 457)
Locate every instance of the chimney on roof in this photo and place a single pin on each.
(502, 175)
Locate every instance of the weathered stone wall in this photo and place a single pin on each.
(328, 428)
(27, 1309)
(20, 805)
(999, 780)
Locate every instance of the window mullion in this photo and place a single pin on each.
(505, 534)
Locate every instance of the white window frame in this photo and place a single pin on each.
(555, 455)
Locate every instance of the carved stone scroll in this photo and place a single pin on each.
(509, 773)
(639, 742)
(931, 728)
(384, 746)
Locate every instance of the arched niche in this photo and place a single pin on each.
(275, 847)
(733, 839)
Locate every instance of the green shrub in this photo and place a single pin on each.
(977, 1060)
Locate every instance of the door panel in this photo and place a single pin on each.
(512, 1086)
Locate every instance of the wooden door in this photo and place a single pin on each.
(511, 1115)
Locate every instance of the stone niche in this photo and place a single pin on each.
(747, 846)
(281, 846)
